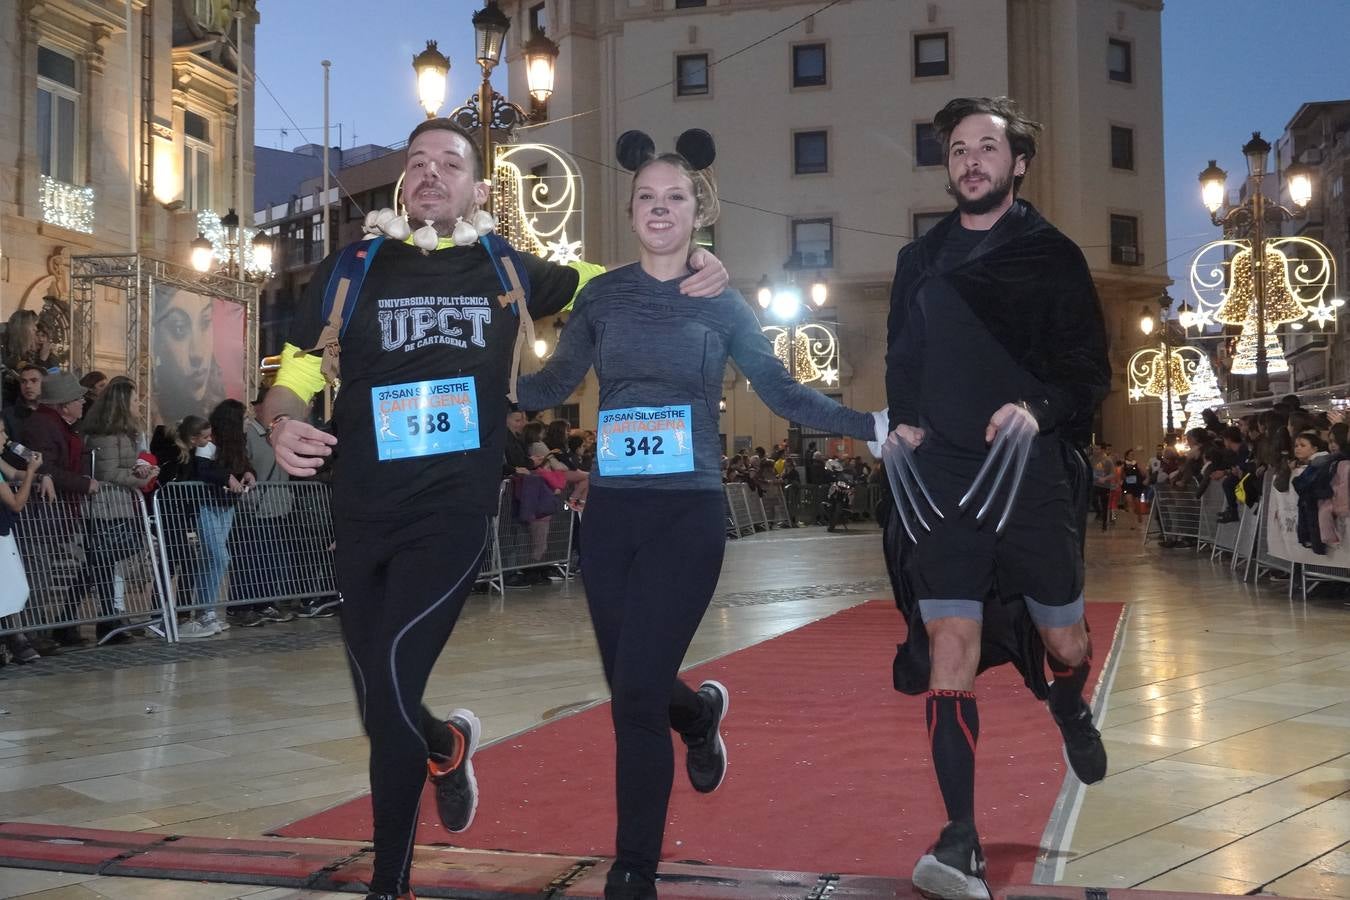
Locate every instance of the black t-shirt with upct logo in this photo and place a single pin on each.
(425, 318)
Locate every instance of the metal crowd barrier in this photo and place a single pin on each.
(88, 560)
(738, 509)
(808, 505)
(776, 507)
(1176, 514)
(1244, 545)
(520, 547)
(218, 549)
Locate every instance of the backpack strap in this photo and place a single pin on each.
(516, 287)
(339, 301)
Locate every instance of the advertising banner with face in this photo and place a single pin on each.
(197, 353)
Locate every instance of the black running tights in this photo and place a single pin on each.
(650, 563)
(403, 587)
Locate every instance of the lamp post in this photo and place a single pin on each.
(235, 266)
(785, 304)
(1146, 325)
(487, 110)
(1248, 220)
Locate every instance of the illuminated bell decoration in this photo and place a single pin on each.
(806, 367)
(1239, 304)
(1157, 382)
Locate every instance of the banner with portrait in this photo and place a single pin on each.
(196, 353)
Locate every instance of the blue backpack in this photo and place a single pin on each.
(353, 264)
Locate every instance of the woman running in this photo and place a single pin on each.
(656, 502)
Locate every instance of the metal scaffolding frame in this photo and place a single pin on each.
(135, 277)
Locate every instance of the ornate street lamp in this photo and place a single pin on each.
(489, 111)
(232, 242)
(433, 69)
(1249, 219)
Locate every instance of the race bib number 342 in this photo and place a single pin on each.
(425, 418)
(645, 440)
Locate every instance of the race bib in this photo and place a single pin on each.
(425, 418)
(645, 440)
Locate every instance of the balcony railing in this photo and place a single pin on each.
(67, 205)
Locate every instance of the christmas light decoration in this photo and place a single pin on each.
(816, 351)
(1300, 278)
(1179, 421)
(66, 205)
(1204, 393)
(1174, 370)
(1244, 356)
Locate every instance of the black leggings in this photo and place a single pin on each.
(650, 564)
(403, 587)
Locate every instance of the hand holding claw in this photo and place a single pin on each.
(910, 434)
(1010, 433)
(1004, 417)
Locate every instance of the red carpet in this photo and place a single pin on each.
(829, 767)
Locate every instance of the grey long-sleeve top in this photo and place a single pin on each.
(660, 357)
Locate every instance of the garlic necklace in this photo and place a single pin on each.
(389, 223)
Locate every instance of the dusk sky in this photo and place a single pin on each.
(1230, 67)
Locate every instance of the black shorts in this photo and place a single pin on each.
(1039, 552)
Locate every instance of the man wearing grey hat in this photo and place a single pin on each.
(49, 431)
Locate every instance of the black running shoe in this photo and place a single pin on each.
(622, 884)
(456, 788)
(1083, 748)
(953, 868)
(407, 896)
(706, 756)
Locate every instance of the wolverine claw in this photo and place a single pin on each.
(1010, 450)
(907, 487)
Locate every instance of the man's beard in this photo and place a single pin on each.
(999, 189)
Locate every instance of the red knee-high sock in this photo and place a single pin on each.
(1066, 691)
(953, 731)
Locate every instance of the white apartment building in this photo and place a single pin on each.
(72, 179)
(821, 114)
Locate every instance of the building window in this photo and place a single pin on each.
(1122, 148)
(924, 222)
(808, 65)
(927, 149)
(813, 243)
(690, 4)
(706, 237)
(58, 115)
(196, 161)
(930, 55)
(1125, 241)
(567, 412)
(810, 152)
(538, 19)
(691, 74)
(1120, 60)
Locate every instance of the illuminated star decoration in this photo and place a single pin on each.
(1203, 318)
(563, 251)
(1136, 393)
(1322, 314)
(829, 376)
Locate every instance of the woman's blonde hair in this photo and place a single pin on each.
(707, 208)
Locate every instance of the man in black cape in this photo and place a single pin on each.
(995, 348)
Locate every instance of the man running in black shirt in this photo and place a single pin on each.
(414, 495)
(994, 327)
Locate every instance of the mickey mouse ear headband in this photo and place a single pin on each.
(696, 146)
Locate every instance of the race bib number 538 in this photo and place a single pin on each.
(645, 440)
(425, 418)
